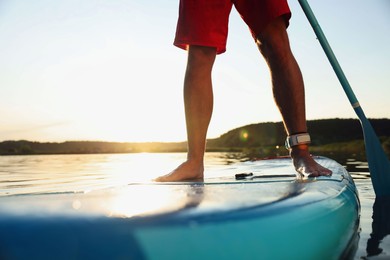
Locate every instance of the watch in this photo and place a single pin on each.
(297, 139)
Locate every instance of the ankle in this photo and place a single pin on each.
(195, 157)
(299, 150)
(195, 161)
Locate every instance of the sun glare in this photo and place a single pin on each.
(244, 135)
(141, 200)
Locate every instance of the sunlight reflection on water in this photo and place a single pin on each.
(79, 173)
(74, 173)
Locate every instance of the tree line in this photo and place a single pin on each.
(328, 135)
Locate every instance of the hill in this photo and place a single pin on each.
(263, 139)
(328, 136)
(322, 132)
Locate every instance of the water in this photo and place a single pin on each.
(39, 174)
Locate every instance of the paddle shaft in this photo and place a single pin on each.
(378, 162)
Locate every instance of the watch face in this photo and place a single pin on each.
(303, 139)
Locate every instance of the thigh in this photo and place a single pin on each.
(257, 14)
(203, 23)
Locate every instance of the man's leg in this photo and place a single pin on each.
(288, 89)
(198, 102)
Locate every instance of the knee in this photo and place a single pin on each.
(201, 55)
(277, 50)
(273, 42)
(200, 59)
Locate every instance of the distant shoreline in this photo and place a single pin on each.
(263, 139)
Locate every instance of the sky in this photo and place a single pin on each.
(107, 70)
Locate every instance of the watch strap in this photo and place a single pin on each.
(297, 139)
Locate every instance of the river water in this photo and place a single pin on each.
(37, 174)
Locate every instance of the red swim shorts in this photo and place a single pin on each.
(205, 22)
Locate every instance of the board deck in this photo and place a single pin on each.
(271, 214)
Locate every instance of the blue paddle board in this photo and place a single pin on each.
(262, 210)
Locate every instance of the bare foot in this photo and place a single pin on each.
(187, 171)
(305, 165)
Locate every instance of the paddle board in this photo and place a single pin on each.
(264, 213)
